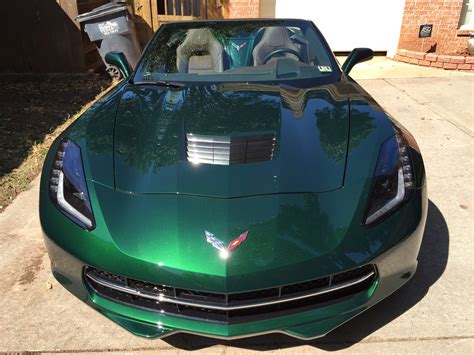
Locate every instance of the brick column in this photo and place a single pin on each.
(444, 15)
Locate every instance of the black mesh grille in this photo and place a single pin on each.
(305, 286)
(201, 296)
(311, 294)
(253, 295)
(150, 288)
(351, 274)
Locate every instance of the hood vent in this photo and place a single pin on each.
(226, 150)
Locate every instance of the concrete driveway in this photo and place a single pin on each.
(433, 313)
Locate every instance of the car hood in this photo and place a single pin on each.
(292, 237)
(299, 139)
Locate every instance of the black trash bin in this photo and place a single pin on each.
(111, 28)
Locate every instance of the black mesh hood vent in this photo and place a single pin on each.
(229, 150)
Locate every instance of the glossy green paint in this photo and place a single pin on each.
(152, 124)
(303, 210)
(395, 267)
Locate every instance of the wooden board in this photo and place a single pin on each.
(142, 10)
(164, 11)
(39, 36)
(42, 35)
(151, 14)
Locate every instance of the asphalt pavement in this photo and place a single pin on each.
(433, 313)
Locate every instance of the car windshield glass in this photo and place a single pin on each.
(231, 51)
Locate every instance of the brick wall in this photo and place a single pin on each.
(444, 15)
(244, 8)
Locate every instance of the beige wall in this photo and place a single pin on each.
(267, 8)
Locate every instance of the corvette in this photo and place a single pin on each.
(237, 182)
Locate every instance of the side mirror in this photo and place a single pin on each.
(118, 65)
(358, 55)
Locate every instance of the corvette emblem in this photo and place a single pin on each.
(238, 46)
(224, 251)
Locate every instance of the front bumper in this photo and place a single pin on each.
(394, 268)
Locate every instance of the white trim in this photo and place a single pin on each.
(467, 7)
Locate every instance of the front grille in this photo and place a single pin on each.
(233, 307)
(229, 150)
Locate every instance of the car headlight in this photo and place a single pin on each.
(393, 182)
(67, 185)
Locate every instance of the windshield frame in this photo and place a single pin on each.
(298, 82)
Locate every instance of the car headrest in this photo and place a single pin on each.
(200, 42)
(273, 38)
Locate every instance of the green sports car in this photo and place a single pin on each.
(237, 182)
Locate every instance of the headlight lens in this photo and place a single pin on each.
(67, 185)
(393, 181)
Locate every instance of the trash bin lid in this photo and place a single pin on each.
(104, 10)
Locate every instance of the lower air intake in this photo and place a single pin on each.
(232, 308)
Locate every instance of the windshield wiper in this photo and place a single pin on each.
(168, 84)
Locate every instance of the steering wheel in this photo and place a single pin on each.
(282, 50)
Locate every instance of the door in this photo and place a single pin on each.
(347, 24)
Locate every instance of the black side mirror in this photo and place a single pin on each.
(118, 65)
(358, 55)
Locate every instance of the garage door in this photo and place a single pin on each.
(347, 24)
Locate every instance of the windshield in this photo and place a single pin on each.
(236, 51)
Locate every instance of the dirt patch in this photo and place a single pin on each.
(31, 271)
(34, 109)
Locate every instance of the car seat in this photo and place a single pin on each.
(200, 52)
(273, 38)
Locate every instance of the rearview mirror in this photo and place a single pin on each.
(358, 55)
(118, 65)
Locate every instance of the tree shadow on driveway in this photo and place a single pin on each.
(432, 261)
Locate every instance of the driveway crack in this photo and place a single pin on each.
(435, 112)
